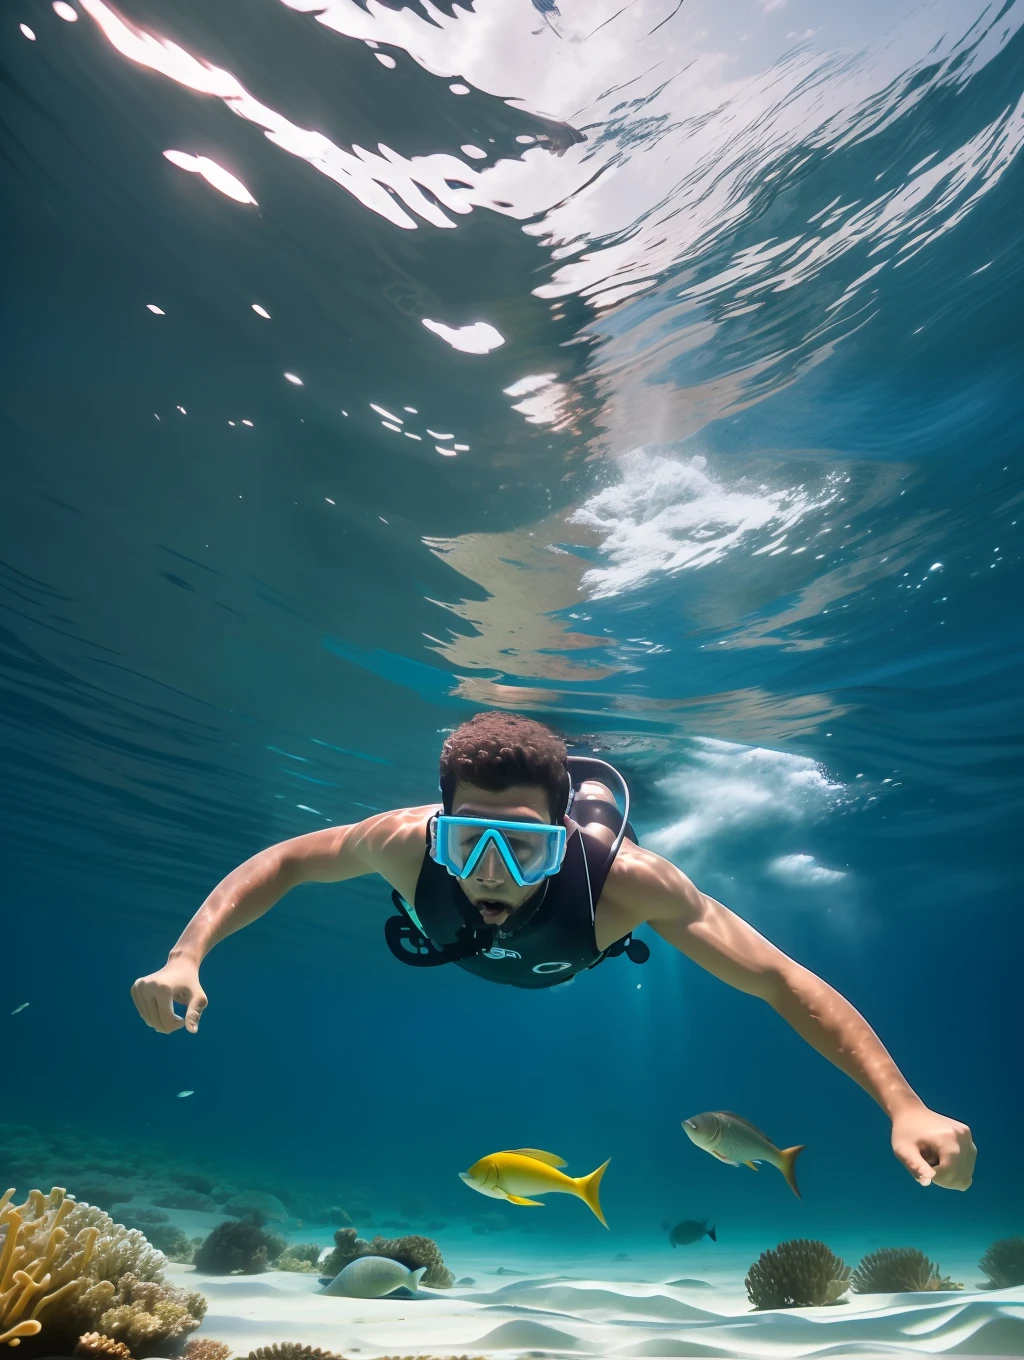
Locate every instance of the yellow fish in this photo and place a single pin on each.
(523, 1172)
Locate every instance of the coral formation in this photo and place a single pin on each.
(412, 1251)
(299, 1256)
(238, 1246)
(205, 1348)
(150, 1317)
(895, 1270)
(797, 1274)
(95, 1344)
(66, 1269)
(169, 1239)
(347, 1246)
(1003, 1262)
(37, 1268)
(291, 1350)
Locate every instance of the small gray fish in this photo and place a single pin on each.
(18, 1009)
(371, 1277)
(733, 1139)
(689, 1231)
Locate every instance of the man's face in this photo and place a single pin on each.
(490, 887)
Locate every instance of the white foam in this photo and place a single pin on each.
(728, 787)
(665, 515)
(804, 869)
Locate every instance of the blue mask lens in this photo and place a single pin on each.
(530, 851)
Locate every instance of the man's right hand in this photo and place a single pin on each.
(155, 994)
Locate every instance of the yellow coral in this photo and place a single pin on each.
(40, 1264)
(94, 1345)
(147, 1314)
(67, 1268)
(205, 1348)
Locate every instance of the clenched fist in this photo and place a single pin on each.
(155, 994)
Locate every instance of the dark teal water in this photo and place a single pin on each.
(734, 503)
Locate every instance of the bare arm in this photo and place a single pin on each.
(645, 887)
(390, 844)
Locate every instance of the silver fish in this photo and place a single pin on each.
(371, 1277)
(733, 1139)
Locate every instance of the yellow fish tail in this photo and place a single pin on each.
(587, 1187)
(787, 1165)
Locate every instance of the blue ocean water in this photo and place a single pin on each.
(653, 372)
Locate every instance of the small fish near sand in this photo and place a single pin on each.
(734, 1140)
(690, 1231)
(523, 1172)
(371, 1277)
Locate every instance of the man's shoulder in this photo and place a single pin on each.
(394, 843)
(399, 826)
(642, 884)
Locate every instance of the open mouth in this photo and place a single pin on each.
(491, 908)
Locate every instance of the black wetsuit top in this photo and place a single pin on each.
(554, 938)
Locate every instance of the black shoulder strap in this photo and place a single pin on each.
(599, 862)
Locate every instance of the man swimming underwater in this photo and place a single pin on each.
(527, 876)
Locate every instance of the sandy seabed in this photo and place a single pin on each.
(688, 1303)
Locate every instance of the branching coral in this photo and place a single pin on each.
(43, 1267)
(1003, 1262)
(119, 1250)
(151, 1317)
(205, 1348)
(291, 1350)
(67, 1268)
(238, 1246)
(170, 1240)
(895, 1270)
(413, 1251)
(797, 1274)
(94, 1345)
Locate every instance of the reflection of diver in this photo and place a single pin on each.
(511, 881)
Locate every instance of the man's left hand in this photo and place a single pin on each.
(934, 1148)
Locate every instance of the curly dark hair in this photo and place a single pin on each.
(495, 750)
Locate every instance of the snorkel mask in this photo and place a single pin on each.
(530, 851)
